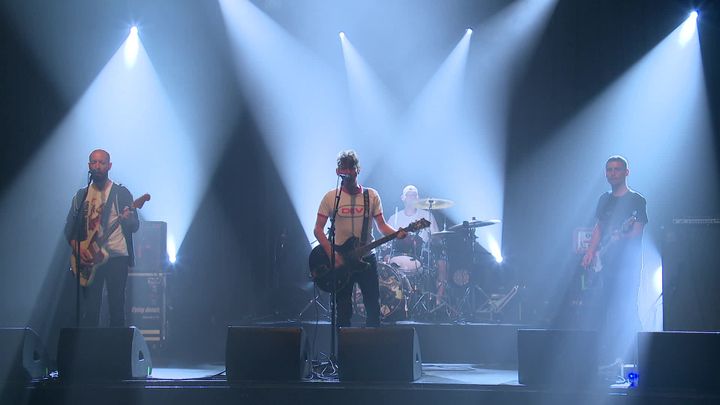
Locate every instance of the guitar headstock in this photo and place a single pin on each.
(138, 203)
(415, 226)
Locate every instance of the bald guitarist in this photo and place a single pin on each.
(102, 239)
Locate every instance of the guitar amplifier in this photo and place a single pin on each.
(150, 245)
(147, 306)
(690, 277)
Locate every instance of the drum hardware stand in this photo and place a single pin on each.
(470, 299)
(497, 302)
(314, 302)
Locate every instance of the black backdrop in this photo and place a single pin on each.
(583, 49)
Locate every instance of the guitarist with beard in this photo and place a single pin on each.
(351, 222)
(615, 254)
(100, 205)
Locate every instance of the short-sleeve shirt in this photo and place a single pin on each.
(97, 201)
(402, 220)
(351, 213)
(611, 213)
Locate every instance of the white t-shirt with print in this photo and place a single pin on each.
(351, 213)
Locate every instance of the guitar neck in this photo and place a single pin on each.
(110, 231)
(135, 205)
(363, 250)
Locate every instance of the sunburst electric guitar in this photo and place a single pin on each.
(96, 244)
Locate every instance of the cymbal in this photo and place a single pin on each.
(434, 203)
(476, 223)
(443, 233)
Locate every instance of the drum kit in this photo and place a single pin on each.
(436, 278)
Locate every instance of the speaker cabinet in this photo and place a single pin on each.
(691, 280)
(379, 354)
(102, 354)
(22, 355)
(266, 353)
(557, 357)
(679, 361)
(150, 245)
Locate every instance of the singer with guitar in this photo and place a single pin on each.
(351, 221)
(615, 254)
(101, 207)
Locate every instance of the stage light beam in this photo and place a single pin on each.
(132, 47)
(689, 28)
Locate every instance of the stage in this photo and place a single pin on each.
(490, 378)
(440, 383)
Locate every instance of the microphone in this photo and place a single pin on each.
(344, 175)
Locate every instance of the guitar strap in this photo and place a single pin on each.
(366, 218)
(108, 207)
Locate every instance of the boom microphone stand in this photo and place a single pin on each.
(78, 235)
(333, 293)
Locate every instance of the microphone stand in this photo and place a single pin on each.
(78, 234)
(333, 293)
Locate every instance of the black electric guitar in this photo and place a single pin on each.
(352, 254)
(590, 278)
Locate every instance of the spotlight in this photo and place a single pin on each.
(688, 28)
(342, 35)
(469, 31)
(499, 259)
(171, 250)
(657, 281)
(132, 46)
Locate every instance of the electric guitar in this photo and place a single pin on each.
(352, 253)
(590, 279)
(96, 245)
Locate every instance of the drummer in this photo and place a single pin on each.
(411, 213)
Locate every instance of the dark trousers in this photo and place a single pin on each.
(114, 273)
(367, 280)
(619, 321)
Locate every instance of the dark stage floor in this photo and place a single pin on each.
(490, 377)
(440, 384)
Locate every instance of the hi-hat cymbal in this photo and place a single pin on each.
(476, 223)
(434, 203)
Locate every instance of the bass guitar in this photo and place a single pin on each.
(352, 253)
(590, 277)
(95, 244)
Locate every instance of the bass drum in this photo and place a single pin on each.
(394, 291)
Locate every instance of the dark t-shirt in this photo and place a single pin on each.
(611, 213)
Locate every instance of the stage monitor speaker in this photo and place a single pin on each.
(690, 276)
(679, 361)
(87, 354)
(254, 353)
(549, 357)
(22, 355)
(379, 354)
